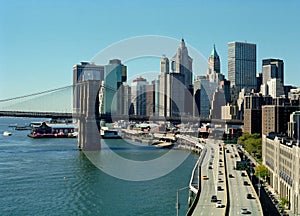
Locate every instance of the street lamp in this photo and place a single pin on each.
(258, 185)
(177, 199)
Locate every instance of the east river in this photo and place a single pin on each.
(51, 177)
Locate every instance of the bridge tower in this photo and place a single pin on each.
(88, 127)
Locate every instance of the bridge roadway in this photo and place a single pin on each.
(111, 118)
(209, 187)
(237, 190)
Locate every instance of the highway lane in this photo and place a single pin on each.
(237, 190)
(209, 187)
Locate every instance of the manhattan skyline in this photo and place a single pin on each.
(41, 41)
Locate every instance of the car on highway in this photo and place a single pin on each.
(219, 204)
(244, 211)
(204, 177)
(213, 198)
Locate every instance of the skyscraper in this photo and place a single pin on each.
(203, 94)
(242, 65)
(272, 68)
(83, 72)
(182, 63)
(112, 98)
(164, 73)
(175, 83)
(214, 68)
(138, 96)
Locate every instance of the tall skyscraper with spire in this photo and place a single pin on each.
(175, 83)
(214, 68)
(182, 63)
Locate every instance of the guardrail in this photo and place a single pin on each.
(227, 186)
(192, 188)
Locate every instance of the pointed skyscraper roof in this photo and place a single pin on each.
(214, 52)
(182, 44)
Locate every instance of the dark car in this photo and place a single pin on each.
(243, 174)
(245, 183)
(231, 176)
(249, 196)
(213, 198)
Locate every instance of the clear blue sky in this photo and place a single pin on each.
(40, 41)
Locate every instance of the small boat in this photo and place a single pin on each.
(165, 142)
(13, 125)
(109, 133)
(6, 133)
(22, 128)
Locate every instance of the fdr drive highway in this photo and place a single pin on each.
(225, 190)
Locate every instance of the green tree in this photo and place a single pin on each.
(252, 144)
(261, 171)
(283, 202)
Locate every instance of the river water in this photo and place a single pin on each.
(51, 177)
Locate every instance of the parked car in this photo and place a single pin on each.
(231, 176)
(219, 188)
(243, 174)
(245, 183)
(249, 196)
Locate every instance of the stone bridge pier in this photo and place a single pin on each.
(88, 126)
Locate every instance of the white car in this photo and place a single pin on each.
(219, 204)
(244, 211)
